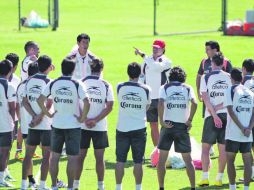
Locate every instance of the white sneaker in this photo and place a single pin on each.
(43, 188)
(5, 184)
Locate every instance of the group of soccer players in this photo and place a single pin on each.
(71, 111)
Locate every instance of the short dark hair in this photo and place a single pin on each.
(44, 62)
(213, 45)
(68, 66)
(97, 65)
(14, 58)
(248, 64)
(177, 74)
(33, 69)
(236, 74)
(218, 59)
(30, 44)
(134, 70)
(83, 36)
(5, 67)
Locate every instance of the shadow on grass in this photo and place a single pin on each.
(225, 186)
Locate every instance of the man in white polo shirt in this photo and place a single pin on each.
(239, 101)
(212, 88)
(134, 99)
(66, 94)
(176, 120)
(40, 125)
(82, 56)
(101, 97)
(32, 51)
(7, 111)
(155, 70)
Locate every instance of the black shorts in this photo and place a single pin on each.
(253, 137)
(212, 134)
(99, 138)
(179, 135)
(6, 139)
(152, 112)
(234, 146)
(136, 140)
(36, 137)
(24, 136)
(71, 138)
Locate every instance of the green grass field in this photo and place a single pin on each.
(115, 26)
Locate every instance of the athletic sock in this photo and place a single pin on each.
(101, 185)
(54, 188)
(31, 179)
(42, 184)
(118, 186)
(205, 175)
(246, 187)
(232, 187)
(252, 172)
(24, 184)
(219, 176)
(161, 188)
(76, 184)
(138, 187)
(1, 177)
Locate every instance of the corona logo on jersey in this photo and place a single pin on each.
(64, 91)
(128, 105)
(131, 96)
(35, 89)
(179, 106)
(62, 100)
(220, 84)
(242, 109)
(94, 90)
(176, 96)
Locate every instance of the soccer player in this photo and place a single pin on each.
(154, 71)
(82, 56)
(212, 88)
(134, 99)
(248, 81)
(101, 97)
(14, 80)
(32, 50)
(66, 124)
(7, 111)
(40, 125)
(176, 117)
(239, 101)
(211, 48)
(24, 116)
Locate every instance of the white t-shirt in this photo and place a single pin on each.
(14, 80)
(155, 73)
(24, 115)
(215, 83)
(66, 94)
(33, 89)
(100, 92)
(82, 68)
(133, 99)
(7, 94)
(242, 100)
(176, 98)
(248, 82)
(24, 68)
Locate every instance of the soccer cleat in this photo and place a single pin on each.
(5, 184)
(19, 155)
(218, 183)
(9, 178)
(43, 188)
(32, 185)
(203, 183)
(36, 156)
(61, 184)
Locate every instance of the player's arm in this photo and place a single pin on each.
(86, 107)
(198, 79)
(28, 107)
(18, 110)
(45, 109)
(12, 109)
(193, 109)
(161, 113)
(140, 53)
(234, 118)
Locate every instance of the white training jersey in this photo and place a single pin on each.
(66, 94)
(24, 115)
(7, 94)
(15, 81)
(82, 68)
(100, 92)
(24, 68)
(215, 83)
(133, 99)
(176, 98)
(155, 73)
(33, 89)
(242, 101)
(248, 81)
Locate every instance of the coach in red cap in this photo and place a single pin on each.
(155, 69)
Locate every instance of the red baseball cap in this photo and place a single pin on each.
(159, 44)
